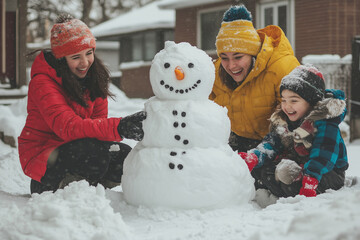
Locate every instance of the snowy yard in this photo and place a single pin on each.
(83, 212)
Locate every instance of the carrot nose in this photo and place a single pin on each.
(179, 73)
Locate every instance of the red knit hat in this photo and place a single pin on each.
(70, 37)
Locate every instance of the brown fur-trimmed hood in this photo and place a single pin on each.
(301, 138)
(325, 109)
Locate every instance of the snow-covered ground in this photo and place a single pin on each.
(83, 212)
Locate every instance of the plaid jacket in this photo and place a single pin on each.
(317, 142)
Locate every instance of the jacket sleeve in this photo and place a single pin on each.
(217, 94)
(61, 118)
(268, 149)
(325, 149)
(100, 108)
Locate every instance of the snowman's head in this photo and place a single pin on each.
(182, 71)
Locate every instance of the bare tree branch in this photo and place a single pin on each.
(42, 14)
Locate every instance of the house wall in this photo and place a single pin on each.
(2, 34)
(326, 27)
(185, 31)
(186, 19)
(133, 85)
(12, 42)
(322, 26)
(108, 52)
(21, 43)
(185, 23)
(10, 39)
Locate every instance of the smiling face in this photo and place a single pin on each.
(181, 71)
(80, 63)
(294, 106)
(237, 65)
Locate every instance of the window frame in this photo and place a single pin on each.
(160, 35)
(290, 16)
(198, 30)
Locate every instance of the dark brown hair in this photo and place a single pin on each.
(97, 81)
(228, 80)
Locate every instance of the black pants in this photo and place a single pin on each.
(89, 158)
(242, 144)
(265, 178)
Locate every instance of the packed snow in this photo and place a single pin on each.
(85, 212)
(177, 164)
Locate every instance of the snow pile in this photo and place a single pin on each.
(89, 214)
(15, 181)
(77, 212)
(11, 92)
(121, 105)
(83, 212)
(326, 58)
(332, 215)
(12, 118)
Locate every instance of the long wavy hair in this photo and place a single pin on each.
(227, 79)
(96, 82)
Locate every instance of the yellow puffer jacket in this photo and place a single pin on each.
(251, 104)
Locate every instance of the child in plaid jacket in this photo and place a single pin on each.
(304, 152)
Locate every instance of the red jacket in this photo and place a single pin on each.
(53, 119)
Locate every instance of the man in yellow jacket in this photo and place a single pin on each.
(249, 70)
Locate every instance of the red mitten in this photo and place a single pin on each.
(309, 185)
(250, 158)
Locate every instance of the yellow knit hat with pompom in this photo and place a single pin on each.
(237, 33)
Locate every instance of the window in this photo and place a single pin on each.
(278, 13)
(209, 24)
(137, 47)
(143, 46)
(168, 36)
(125, 49)
(150, 46)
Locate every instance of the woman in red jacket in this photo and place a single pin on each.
(67, 135)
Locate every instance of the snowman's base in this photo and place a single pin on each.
(186, 178)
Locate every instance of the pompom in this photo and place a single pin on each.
(64, 17)
(237, 13)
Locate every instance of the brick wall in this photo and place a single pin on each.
(186, 26)
(186, 19)
(337, 75)
(322, 26)
(135, 83)
(326, 27)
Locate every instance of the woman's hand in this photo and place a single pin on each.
(131, 126)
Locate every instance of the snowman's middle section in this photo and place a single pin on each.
(184, 160)
(185, 124)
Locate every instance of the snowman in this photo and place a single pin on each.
(184, 160)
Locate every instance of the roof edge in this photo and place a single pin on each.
(185, 4)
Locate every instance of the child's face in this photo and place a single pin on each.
(79, 63)
(294, 106)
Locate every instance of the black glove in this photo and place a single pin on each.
(131, 126)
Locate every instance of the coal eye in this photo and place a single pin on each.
(167, 65)
(190, 65)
